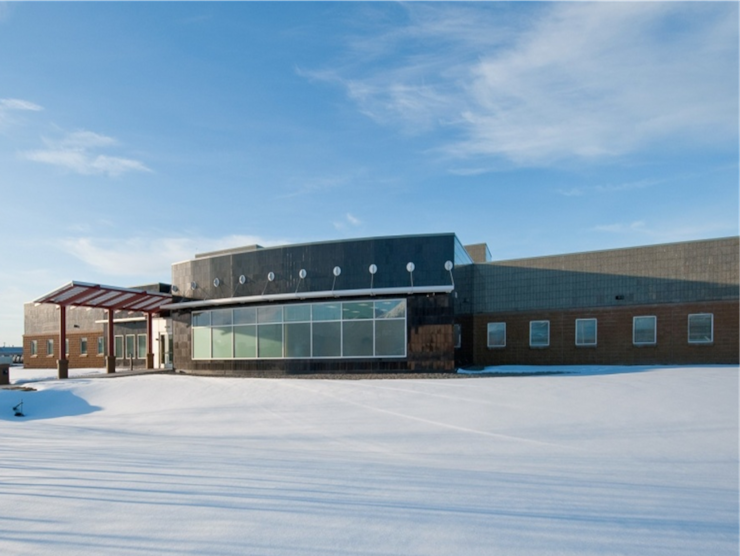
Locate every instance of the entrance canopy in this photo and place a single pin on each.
(82, 294)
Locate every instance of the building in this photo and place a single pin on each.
(409, 304)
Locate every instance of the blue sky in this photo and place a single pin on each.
(134, 135)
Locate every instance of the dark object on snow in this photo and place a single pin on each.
(18, 410)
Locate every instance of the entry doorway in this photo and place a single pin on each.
(165, 351)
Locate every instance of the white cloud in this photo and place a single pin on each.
(18, 104)
(573, 80)
(349, 220)
(76, 152)
(148, 256)
(621, 228)
(640, 232)
(10, 105)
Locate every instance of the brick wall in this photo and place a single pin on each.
(614, 337)
(43, 360)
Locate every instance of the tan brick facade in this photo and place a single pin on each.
(43, 360)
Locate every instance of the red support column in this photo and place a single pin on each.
(149, 350)
(110, 359)
(62, 362)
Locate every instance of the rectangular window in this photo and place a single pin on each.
(496, 334)
(201, 343)
(49, 347)
(118, 344)
(222, 342)
(327, 339)
(245, 342)
(141, 346)
(270, 340)
(701, 328)
(297, 338)
(243, 315)
(297, 313)
(130, 346)
(457, 336)
(326, 311)
(34, 348)
(644, 331)
(221, 318)
(357, 338)
(83, 346)
(585, 332)
(390, 338)
(101, 345)
(66, 347)
(539, 333)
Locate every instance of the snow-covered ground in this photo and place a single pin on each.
(604, 461)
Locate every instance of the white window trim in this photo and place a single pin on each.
(488, 336)
(596, 333)
(530, 334)
(711, 329)
(655, 330)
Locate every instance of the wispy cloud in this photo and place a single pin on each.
(148, 256)
(641, 232)
(349, 221)
(18, 104)
(611, 188)
(10, 105)
(571, 81)
(77, 152)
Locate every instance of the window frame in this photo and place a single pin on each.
(83, 346)
(655, 330)
(539, 346)
(488, 336)
(596, 332)
(50, 347)
(101, 345)
(711, 329)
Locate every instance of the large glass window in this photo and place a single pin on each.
(119, 346)
(701, 328)
(585, 332)
(539, 333)
(644, 330)
(366, 328)
(496, 334)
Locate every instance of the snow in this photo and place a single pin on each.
(595, 460)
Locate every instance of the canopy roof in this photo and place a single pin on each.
(82, 294)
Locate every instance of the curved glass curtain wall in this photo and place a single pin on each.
(369, 328)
